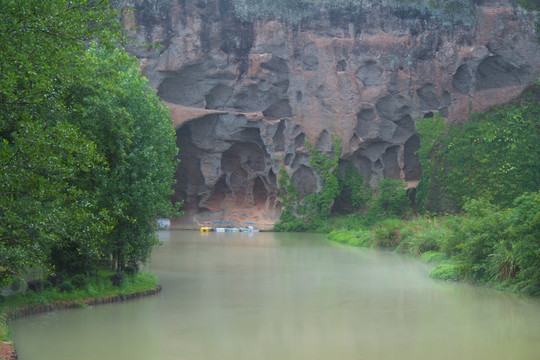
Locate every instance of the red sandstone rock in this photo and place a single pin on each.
(245, 95)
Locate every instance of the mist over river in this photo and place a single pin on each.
(288, 296)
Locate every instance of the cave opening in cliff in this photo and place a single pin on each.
(260, 195)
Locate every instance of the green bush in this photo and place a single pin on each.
(518, 253)
(16, 285)
(288, 222)
(497, 246)
(390, 200)
(65, 287)
(485, 245)
(422, 235)
(355, 192)
(494, 155)
(445, 272)
(433, 257)
(117, 279)
(386, 234)
(354, 238)
(79, 281)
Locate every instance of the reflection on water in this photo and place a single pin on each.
(288, 296)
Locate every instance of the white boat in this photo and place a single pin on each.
(249, 229)
(164, 224)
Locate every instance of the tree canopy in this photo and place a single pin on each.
(86, 148)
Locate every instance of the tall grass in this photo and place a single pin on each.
(485, 245)
(96, 287)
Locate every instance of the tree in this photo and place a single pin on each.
(86, 148)
(45, 162)
(119, 112)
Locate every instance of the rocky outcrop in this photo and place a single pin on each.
(246, 95)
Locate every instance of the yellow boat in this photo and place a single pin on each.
(206, 229)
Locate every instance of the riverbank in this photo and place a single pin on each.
(17, 306)
(485, 246)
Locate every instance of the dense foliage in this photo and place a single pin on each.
(494, 155)
(341, 191)
(86, 149)
(489, 245)
(486, 173)
(118, 111)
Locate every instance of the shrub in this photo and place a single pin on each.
(350, 237)
(521, 243)
(79, 281)
(16, 285)
(55, 279)
(80, 305)
(493, 155)
(423, 235)
(390, 200)
(117, 279)
(290, 223)
(386, 233)
(445, 272)
(35, 285)
(132, 269)
(65, 287)
(433, 257)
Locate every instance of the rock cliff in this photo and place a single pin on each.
(247, 90)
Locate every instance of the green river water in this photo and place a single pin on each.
(288, 296)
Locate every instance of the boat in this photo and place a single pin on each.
(164, 224)
(206, 229)
(249, 229)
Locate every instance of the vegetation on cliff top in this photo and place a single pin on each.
(448, 12)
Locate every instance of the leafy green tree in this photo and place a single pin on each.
(118, 111)
(46, 163)
(86, 148)
(390, 200)
(42, 202)
(523, 242)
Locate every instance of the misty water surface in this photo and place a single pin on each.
(288, 296)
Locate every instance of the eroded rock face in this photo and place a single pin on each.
(245, 96)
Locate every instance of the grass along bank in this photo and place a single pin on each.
(75, 292)
(487, 245)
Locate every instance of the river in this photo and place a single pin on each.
(288, 296)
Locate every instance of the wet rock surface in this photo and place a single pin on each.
(246, 95)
